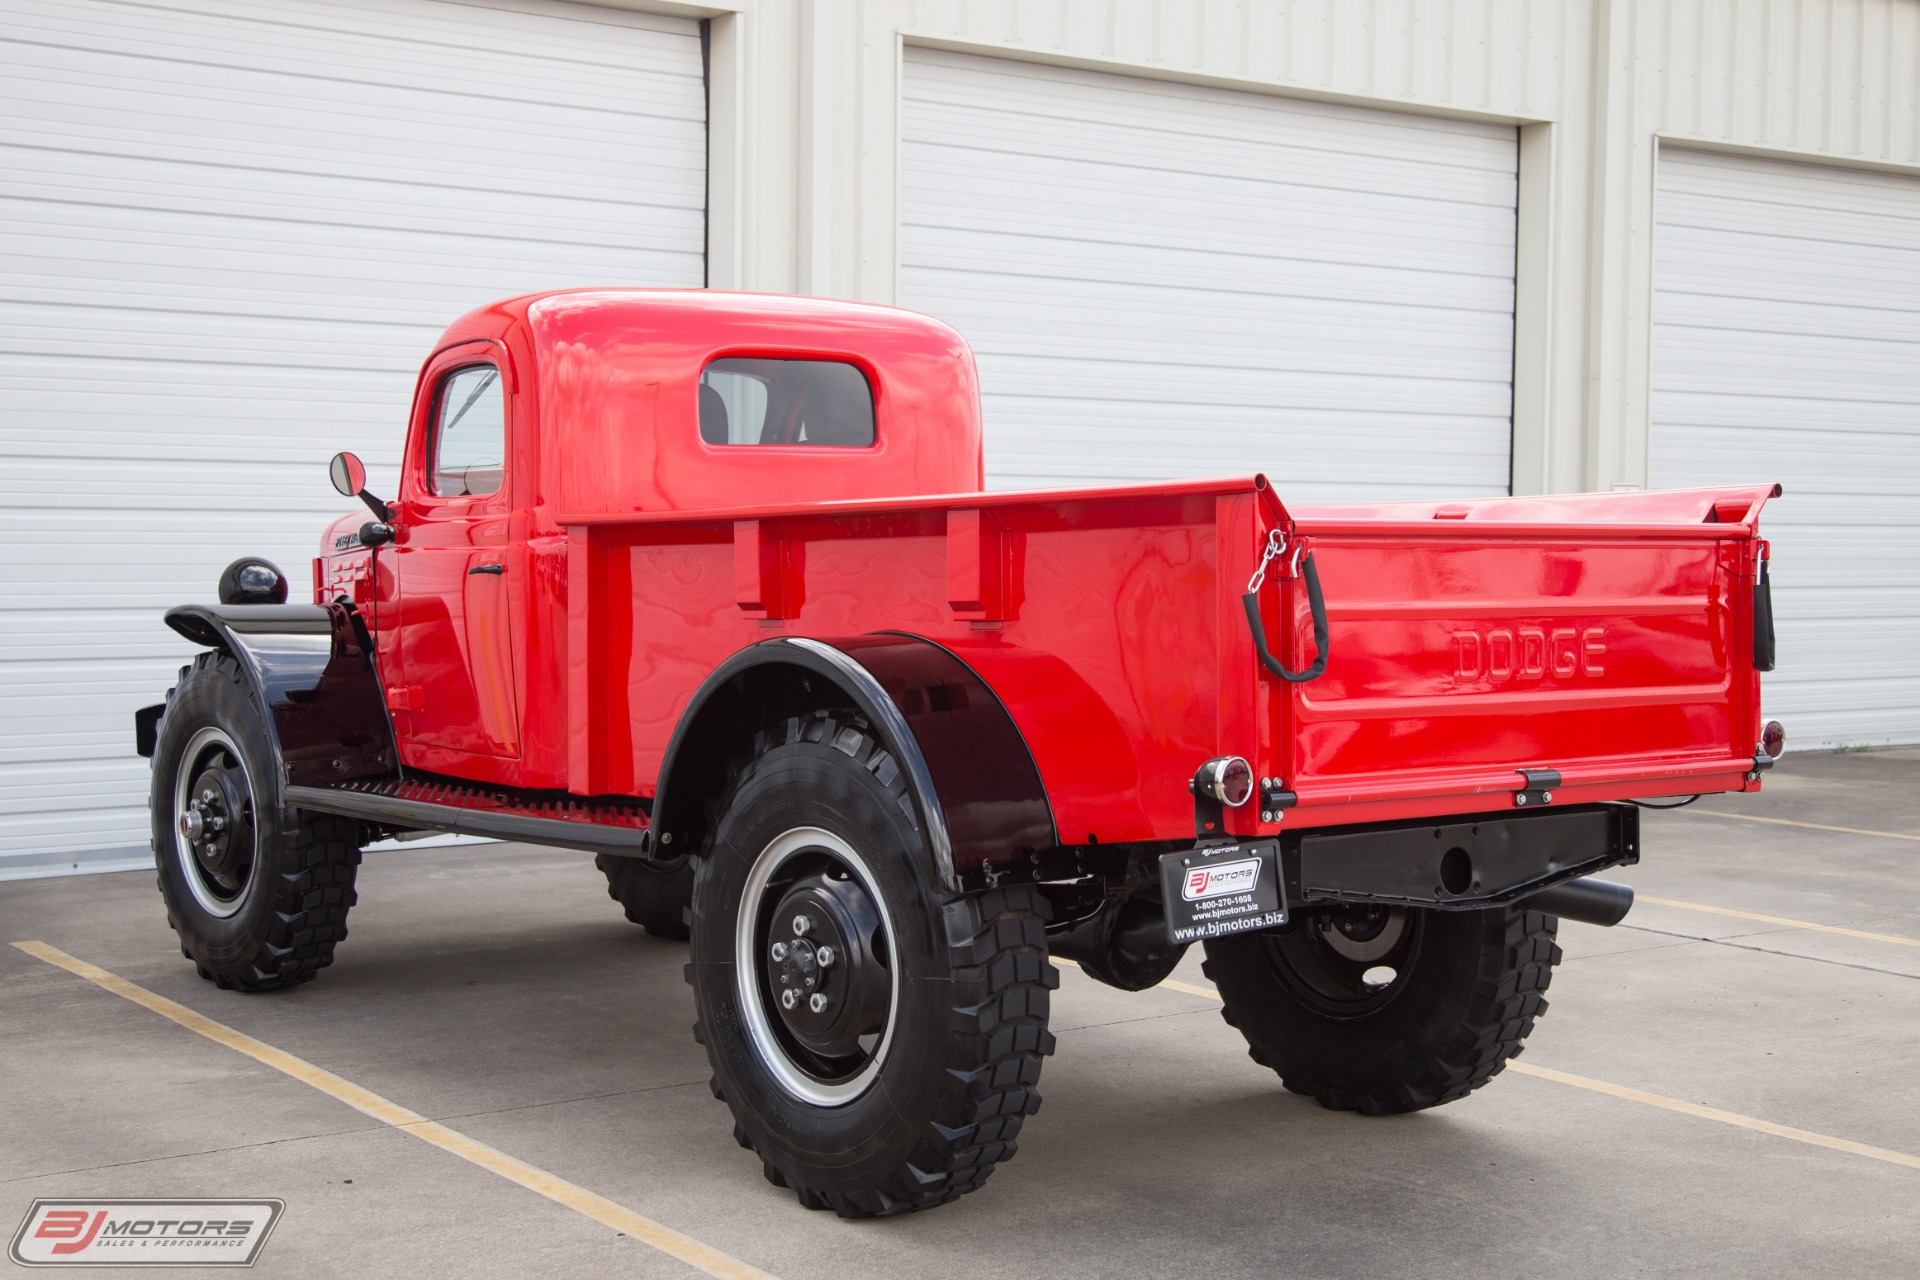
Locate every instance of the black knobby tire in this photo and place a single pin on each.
(939, 1097)
(271, 914)
(1467, 988)
(657, 898)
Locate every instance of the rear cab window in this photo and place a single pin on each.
(467, 449)
(759, 401)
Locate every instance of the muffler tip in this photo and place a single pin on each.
(1587, 900)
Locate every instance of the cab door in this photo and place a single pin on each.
(450, 564)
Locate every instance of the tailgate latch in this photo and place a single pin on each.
(1274, 798)
(1538, 793)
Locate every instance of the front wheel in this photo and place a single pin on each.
(258, 901)
(1387, 1009)
(877, 1039)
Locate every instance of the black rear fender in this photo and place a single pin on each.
(976, 792)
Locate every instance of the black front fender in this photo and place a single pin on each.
(312, 668)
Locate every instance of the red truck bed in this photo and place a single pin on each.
(1606, 638)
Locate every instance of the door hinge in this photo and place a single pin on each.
(409, 697)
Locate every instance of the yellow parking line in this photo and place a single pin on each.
(1790, 822)
(1658, 1100)
(559, 1190)
(1714, 1113)
(1782, 920)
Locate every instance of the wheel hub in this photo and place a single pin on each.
(214, 843)
(1364, 933)
(1348, 961)
(212, 825)
(827, 985)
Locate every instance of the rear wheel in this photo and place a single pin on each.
(877, 1039)
(258, 902)
(656, 896)
(1387, 1009)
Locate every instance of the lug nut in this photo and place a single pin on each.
(787, 998)
(817, 1002)
(824, 955)
(779, 951)
(800, 926)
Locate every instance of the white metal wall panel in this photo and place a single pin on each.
(1167, 280)
(1786, 347)
(1833, 76)
(1501, 57)
(229, 233)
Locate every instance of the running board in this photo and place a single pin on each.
(572, 824)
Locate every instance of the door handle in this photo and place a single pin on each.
(488, 568)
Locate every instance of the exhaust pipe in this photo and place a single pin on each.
(1587, 900)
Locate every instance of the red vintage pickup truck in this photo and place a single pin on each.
(709, 584)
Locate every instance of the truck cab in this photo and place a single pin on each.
(613, 403)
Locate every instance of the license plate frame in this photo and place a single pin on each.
(1221, 890)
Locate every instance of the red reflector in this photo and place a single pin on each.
(1773, 739)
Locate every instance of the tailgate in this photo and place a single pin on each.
(1603, 642)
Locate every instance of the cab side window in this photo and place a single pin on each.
(466, 456)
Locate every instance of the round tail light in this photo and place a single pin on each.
(1773, 739)
(1227, 779)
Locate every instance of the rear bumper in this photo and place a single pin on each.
(1465, 863)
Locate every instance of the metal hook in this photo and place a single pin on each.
(1276, 543)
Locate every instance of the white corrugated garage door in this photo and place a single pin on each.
(1165, 280)
(1786, 347)
(229, 232)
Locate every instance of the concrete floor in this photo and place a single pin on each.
(496, 989)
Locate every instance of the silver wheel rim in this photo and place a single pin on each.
(191, 872)
(746, 968)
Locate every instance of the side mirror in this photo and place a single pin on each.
(349, 476)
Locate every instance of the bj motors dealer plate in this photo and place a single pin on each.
(1234, 888)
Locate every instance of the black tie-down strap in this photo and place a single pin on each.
(1317, 604)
